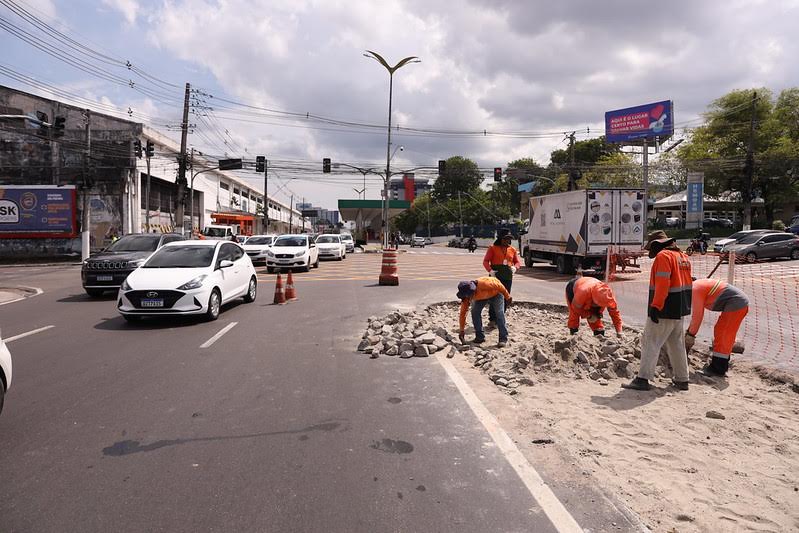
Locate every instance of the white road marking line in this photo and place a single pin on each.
(541, 493)
(27, 334)
(37, 292)
(218, 336)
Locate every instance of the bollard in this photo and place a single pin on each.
(388, 274)
(280, 295)
(291, 294)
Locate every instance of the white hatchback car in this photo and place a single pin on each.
(290, 251)
(5, 370)
(257, 246)
(188, 278)
(331, 246)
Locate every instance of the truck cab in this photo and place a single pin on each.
(217, 232)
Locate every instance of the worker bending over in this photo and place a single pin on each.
(479, 293)
(717, 295)
(588, 298)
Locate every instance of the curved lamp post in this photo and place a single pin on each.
(391, 70)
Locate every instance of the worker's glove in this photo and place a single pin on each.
(573, 331)
(689, 341)
(653, 314)
(599, 333)
(462, 337)
(512, 270)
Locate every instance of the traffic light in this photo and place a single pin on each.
(260, 164)
(59, 126)
(497, 173)
(326, 165)
(137, 148)
(149, 149)
(44, 124)
(442, 167)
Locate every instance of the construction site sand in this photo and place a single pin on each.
(657, 451)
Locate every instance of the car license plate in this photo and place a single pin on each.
(105, 278)
(152, 302)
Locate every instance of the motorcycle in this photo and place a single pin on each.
(472, 246)
(698, 244)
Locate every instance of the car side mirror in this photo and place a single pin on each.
(225, 263)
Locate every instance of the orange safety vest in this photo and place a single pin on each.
(670, 284)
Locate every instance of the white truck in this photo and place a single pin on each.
(574, 229)
(218, 232)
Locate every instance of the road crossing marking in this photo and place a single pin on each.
(28, 334)
(218, 336)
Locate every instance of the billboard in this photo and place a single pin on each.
(642, 122)
(694, 208)
(28, 211)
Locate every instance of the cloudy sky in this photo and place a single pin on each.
(523, 72)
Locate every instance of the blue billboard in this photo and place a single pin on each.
(37, 211)
(642, 122)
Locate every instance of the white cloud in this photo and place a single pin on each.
(128, 8)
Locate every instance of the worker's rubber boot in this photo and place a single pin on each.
(637, 384)
(679, 385)
(717, 367)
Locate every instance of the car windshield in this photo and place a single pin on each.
(290, 241)
(346, 237)
(750, 239)
(135, 243)
(181, 257)
(215, 232)
(326, 238)
(737, 235)
(259, 240)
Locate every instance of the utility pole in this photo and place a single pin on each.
(460, 210)
(181, 182)
(428, 216)
(749, 168)
(266, 196)
(191, 194)
(572, 182)
(645, 163)
(291, 215)
(85, 248)
(147, 191)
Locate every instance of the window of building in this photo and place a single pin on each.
(236, 191)
(224, 186)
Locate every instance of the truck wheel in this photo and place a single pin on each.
(561, 265)
(528, 259)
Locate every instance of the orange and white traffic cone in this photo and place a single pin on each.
(280, 295)
(291, 294)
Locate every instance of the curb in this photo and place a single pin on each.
(28, 265)
(17, 294)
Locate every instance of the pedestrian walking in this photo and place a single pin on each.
(588, 298)
(717, 295)
(479, 293)
(669, 302)
(502, 260)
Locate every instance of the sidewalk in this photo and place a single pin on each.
(13, 294)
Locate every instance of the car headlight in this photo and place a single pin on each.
(136, 263)
(299, 254)
(196, 283)
(125, 285)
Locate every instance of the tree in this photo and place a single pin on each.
(719, 147)
(586, 153)
(461, 174)
(613, 170)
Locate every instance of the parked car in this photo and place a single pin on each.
(5, 370)
(793, 225)
(331, 246)
(257, 246)
(720, 244)
(417, 242)
(766, 246)
(717, 223)
(673, 222)
(188, 278)
(349, 243)
(107, 270)
(290, 251)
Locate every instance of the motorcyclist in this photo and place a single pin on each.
(472, 244)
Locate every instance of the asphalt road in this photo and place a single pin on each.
(277, 426)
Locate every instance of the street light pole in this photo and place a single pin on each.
(391, 70)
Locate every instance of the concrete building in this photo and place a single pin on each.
(107, 176)
(726, 205)
(408, 187)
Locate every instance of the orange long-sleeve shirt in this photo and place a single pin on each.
(487, 288)
(713, 295)
(670, 284)
(501, 255)
(590, 293)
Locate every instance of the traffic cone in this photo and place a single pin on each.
(280, 296)
(291, 294)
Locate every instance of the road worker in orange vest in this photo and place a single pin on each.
(588, 298)
(669, 301)
(717, 295)
(479, 293)
(502, 260)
